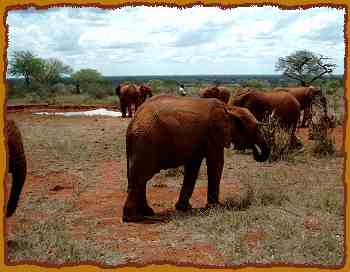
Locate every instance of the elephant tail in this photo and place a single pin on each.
(17, 166)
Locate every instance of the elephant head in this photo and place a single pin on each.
(145, 91)
(17, 165)
(246, 133)
(315, 93)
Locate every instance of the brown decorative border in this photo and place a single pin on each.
(8, 5)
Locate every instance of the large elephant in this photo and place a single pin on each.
(170, 131)
(219, 92)
(305, 97)
(145, 91)
(17, 165)
(279, 103)
(129, 94)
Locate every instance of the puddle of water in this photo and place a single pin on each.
(98, 112)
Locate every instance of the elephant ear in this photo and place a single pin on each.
(117, 90)
(240, 97)
(220, 127)
(243, 118)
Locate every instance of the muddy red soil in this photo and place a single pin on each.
(141, 243)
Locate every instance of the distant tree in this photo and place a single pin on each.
(86, 76)
(26, 64)
(52, 71)
(305, 66)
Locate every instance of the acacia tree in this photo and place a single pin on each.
(26, 64)
(44, 72)
(52, 71)
(305, 66)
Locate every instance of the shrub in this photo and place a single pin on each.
(320, 131)
(98, 90)
(278, 138)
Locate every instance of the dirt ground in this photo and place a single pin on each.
(76, 187)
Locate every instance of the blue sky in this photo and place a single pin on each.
(168, 41)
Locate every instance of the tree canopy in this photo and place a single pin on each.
(26, 64)
(33, 68)
(305, 66)
(87, 75)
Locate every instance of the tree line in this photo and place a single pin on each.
(41, 75)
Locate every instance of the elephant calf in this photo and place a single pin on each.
(129, 95)
(305, 97)
(170, 131)
(220, 93)
(17, 165)
(145, 91)
(282, 104)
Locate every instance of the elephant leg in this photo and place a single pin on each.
(18, 168)
(191, 174)
(131, 210)
(130, 110)
(123, 108)
(215, 164)
(306, 117)
(136, 207)
(145, 209)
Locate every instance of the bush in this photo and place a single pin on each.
(278, 138)
(321, 132)
(98, 90)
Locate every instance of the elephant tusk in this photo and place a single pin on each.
(272, 114)
(258, 149)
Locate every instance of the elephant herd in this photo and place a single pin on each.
(170, 131)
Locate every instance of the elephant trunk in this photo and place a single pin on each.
(261, 150)
(17, 166)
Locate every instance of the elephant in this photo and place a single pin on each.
(145, 91)
(129, 94)
(278, 103)
(171, 131)
(305, 97)
(218, 92)
(17, 165)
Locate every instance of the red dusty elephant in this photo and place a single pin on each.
(17, 165)
(282, 104)
(145, 91)
(305, 97)
(129, 94)
(219, 92)
(170, 131)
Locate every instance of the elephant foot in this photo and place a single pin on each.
(183, 206)
(130, 215)
(133, 218)
(147, 211)
(212, 205)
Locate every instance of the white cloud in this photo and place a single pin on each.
(160, 40)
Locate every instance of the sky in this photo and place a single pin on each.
(169, 41)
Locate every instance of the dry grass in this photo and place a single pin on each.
(288, 211)
(279, 138)
(321, 129)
